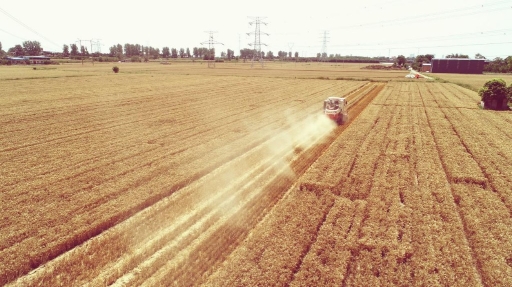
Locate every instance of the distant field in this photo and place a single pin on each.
(240, 69)
(474, 82)
(183, 175)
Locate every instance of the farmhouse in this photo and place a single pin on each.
(426, 67)
(458, 66)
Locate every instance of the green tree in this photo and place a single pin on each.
(400, 60)
(296, 54)
(270, 55)
(112, 51)
(65, 50)
(230, 54)
(74, 50)
(479, 56)
(174, 53)
(188, 53)
(17, 51)
(156, 53)
(495, 91)
(509, 94)
(182, 52)
(508, 63)
(166, 52)
(83, 51)
(457, 56)
(247, 53)
(32, 48)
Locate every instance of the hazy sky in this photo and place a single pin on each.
(365, 27)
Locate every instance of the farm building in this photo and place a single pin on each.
(15, 60)
(37, 59)
(426, 67)
(28, 60)
(458, 66)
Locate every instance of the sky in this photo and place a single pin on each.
(359, 28)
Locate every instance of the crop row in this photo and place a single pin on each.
(135, 178)
(485, 208)
(412, 204)
(275, 249)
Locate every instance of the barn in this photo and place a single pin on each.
(458, 66)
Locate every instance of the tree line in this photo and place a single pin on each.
(27, 48)
(137, 52)
(499, 65)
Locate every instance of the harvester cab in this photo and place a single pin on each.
(336, 109)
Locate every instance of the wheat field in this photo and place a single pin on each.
(183, 175)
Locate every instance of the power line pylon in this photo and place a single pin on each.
(211, 45)
(290, 47)
(324, 45)
(97, 45)
(257, 40)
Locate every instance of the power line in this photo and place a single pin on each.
(27, 27)
(438, 46)
(416, 41)
(12, 34)
(290, 47)
(477, 9)
(257, 39)
(406, 43)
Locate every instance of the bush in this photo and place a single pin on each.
(494, 93)
(115, 69)
(510, 93)
(493, 89)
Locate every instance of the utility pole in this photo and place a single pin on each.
(90, 41)
(98, 46)
(211, 46)
(290, 49)
(324, 45)
(80, 47)
(257, 40)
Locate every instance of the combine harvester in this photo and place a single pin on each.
(336, 109)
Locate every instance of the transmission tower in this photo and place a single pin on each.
(257, 40)
(211, 45)
(98, 45)
(324, 45)
(290, 47)
(93, 43)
